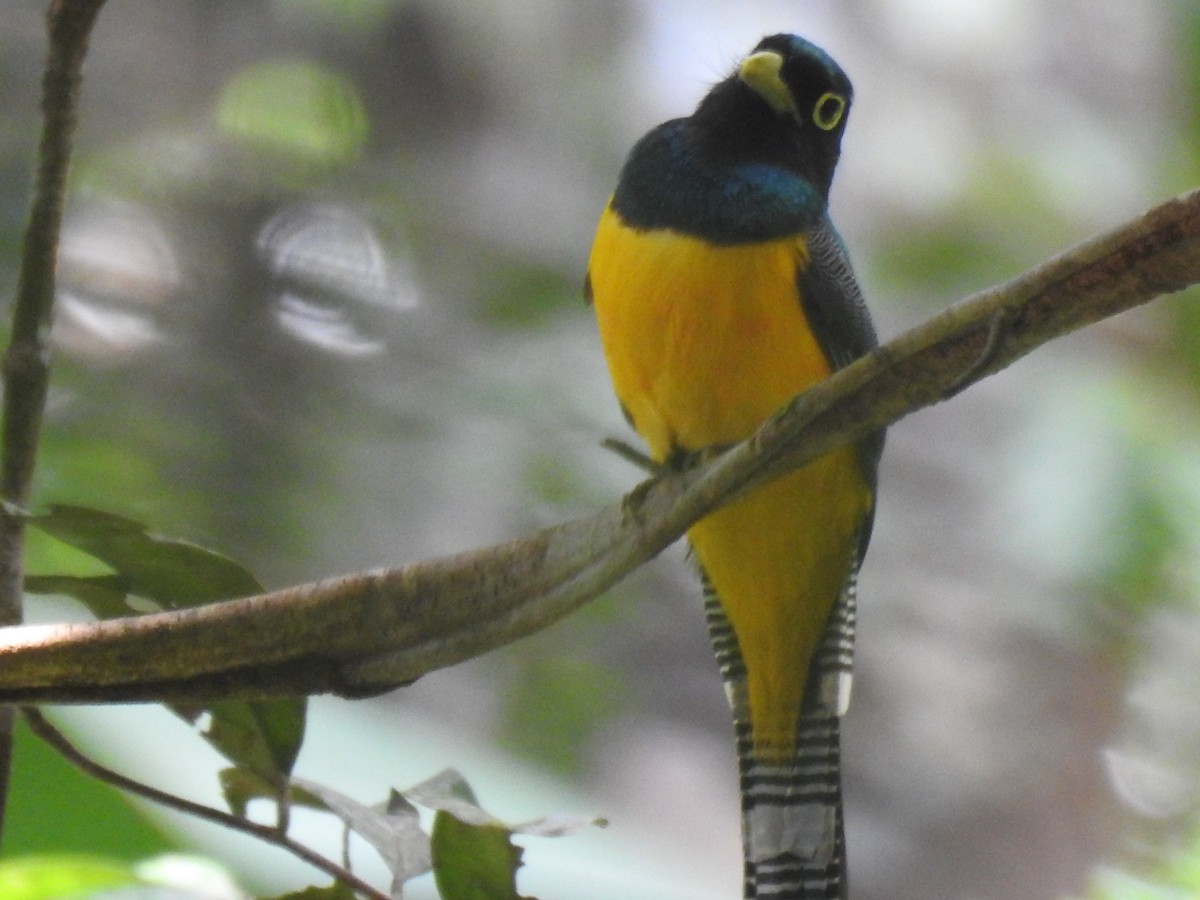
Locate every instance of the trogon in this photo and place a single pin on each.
(722, 290)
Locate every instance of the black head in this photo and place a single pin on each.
(786, 104)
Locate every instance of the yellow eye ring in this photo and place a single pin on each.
(828, 110)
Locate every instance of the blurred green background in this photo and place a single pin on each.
(320, 310)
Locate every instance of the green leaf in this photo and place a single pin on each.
(60, 877)
(336, 891)
(105, 596)
(474, 862)
(262, 736)
(171, 572)
(240, 786)
(473, 855)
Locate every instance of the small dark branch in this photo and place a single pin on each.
(26, 362)
(632, 454)
(42, 727)
(283, 807)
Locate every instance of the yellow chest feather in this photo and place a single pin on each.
(703, 342)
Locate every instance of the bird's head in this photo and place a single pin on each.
(786, 104)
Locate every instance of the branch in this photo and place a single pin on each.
(42, 727)
(27, 361)
(368, 632)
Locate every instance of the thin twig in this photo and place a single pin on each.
(42, 727)
(631, 454)
(27, 359)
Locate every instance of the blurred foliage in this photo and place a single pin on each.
(987, 237)
(1187, 40)
(525, 297)
(53, 808)
(1175, 878)
(554, 704)
(350, 15)
(295, 106)
(61, 877)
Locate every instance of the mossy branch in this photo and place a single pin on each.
(365, 633)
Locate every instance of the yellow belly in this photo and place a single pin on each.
(703, 344)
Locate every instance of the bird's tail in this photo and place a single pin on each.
(792, 827)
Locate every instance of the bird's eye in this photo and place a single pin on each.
(829, 110)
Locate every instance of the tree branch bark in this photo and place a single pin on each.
(365, 633)
(26, 366)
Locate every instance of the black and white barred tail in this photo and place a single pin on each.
(792, 827)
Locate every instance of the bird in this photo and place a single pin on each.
(721, 290)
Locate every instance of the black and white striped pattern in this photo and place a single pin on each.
(833, 661)
(792, 828)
